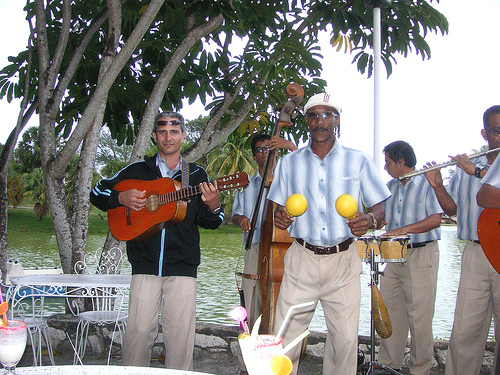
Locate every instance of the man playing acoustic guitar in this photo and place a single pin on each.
(164, 266)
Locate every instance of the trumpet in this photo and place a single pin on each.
(447, 164)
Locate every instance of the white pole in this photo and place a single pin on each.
(376, 82)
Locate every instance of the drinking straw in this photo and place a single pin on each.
(3, 311)
(255, 331)
(294, 342)
(287, 317)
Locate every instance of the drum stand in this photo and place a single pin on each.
(374, 273)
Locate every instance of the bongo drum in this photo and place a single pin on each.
(364, 245)
(393, 248)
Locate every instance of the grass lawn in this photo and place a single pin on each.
(23, 220)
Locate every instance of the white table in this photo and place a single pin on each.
(89, 369)
(69, 286)
(65, 285)
(74, 280)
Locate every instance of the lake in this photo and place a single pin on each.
(222, 256)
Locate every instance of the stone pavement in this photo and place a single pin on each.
(216, 351)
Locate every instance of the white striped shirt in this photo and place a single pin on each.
(411, 203)
(244, 204)
(492, 177)
(322, 181)
(463, 189)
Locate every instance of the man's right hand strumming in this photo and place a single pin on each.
(133, 199)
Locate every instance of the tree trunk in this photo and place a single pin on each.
(86, 163)
(54, 162)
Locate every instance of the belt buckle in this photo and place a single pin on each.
(325, 250)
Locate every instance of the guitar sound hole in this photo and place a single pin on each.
(152, 202)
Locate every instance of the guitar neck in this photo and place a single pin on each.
(183, 194)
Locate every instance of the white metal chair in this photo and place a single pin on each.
(30, 309)
(106, 302)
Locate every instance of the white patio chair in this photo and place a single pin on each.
(29, 309)
(106, 302)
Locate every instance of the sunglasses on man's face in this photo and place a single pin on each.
(171, 122)
(259, 150)
(323, 115)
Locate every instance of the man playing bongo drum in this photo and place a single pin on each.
(409, 288)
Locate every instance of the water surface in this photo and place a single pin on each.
(222, 255)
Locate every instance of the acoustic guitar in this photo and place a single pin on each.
(166, 205)
(488, 230)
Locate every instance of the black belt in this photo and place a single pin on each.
(324, 250)
(418, 244)
(477, 242)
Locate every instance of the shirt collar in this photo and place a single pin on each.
(165, 171)
(337, 148)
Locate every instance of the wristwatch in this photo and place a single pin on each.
(217, 210)
(479, 169)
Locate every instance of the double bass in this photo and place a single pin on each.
(274, 242)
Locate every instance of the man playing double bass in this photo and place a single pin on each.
(243, 209)
(164, 266)
(322, 263)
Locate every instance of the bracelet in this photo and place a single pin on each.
(374, 221)
(478, 170)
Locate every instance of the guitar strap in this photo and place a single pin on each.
(185, 174)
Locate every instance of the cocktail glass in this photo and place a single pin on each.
(12, 344)
(258, 354)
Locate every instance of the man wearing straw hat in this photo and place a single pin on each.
(479, 289)
(322, 263)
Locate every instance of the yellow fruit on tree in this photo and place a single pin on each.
(346, 206)
(281, 365)
(296, 205)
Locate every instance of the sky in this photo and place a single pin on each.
(436, 105)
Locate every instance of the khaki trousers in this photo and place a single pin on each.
(250, 288)
(409, 293)
(175, 297)
(477, 299)
(334, 280)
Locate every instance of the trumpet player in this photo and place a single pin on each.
(479, 289)
(409, 289)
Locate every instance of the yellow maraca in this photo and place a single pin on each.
(346, 206)
(296, 205)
